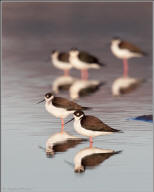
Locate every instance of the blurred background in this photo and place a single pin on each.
(30, 31)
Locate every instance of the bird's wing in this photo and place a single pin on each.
(131, 47)
(85, 57)
(95, 124)
(65, 103)
(63, 57)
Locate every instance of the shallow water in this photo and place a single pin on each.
(27, 74)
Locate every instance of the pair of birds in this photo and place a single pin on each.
(83, 61)
(86, 125)
(80, 60)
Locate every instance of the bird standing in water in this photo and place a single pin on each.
(90, 126)
(125, 50)
(60, 107)
(83, 61)
(61, 61)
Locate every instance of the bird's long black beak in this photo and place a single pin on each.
(41, 101)
(69, 121)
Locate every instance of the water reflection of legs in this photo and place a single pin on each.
(66, 72)
(84, 74)
(62, 125)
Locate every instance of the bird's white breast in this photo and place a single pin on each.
(77, 63)
(60, 64)
(86, 132)
(122, 53)
(56, 111)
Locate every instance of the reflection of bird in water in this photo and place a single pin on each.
(90, 157)
(125, 85)
(125, 50)
(81, 88)
(61, 61)
(61, 142)
(83, 61)
(90, 126)
(62, 83)
(60, 107)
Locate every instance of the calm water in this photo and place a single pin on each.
(30, 32)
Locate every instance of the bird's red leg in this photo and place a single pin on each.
(91, 142)
(125, 72)
(86, 74)
(62, 125)
(66, 72)
(82, 74)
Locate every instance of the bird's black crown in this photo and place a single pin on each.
(48, 95)
(78, 113)
(115, 38)
(54, 51)
(73, 49)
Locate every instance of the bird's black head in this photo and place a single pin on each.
(48, 95)
(73, 49)
(54, 51)
(115, 38)
(79, 113)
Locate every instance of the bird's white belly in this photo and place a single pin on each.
(86, 132)
(123, 53)
(57, 112)
(82, 65)
(61, 65)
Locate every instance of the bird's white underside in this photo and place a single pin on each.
(78, 64)
(56, 111)
(123, 53)
(59, 64)
(86, 132)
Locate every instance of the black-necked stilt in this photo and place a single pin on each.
(90, 126)
(60, 107)
(125, 50)
(90, 157)
(61, 61)
(83, 61)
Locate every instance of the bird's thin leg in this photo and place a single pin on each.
(125, 71)
(62, 125)
(82, 74)
(91, 142)
(86, 74)
(66, 72)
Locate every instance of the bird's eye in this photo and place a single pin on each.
(48, 95)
